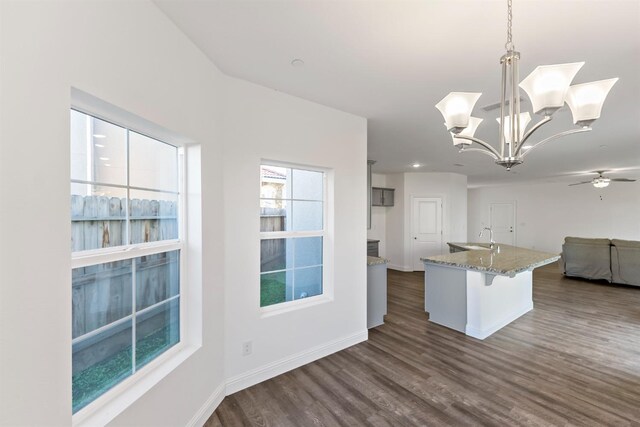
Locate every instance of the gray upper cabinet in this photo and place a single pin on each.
(382, 196)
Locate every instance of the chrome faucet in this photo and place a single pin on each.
(492, 243)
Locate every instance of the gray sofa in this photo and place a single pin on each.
(613, 260)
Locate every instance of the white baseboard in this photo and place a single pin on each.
(208, 408)
(484, 333)
(404, 268)
(276, 368)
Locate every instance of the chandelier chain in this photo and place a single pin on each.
(509, 44)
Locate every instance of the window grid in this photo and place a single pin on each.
(295, 235)
(131, 252)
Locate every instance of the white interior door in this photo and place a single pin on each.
(503, 222)
(426, 229)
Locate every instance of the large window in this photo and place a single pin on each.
(292, 231)
(126, 253)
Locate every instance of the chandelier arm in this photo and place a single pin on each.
(558, 135)
(480, 150)
(526, 136)
(481, 142)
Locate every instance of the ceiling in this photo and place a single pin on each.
(392, 61)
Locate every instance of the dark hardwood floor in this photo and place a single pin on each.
(573, 360)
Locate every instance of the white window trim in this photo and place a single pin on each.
(327, 243)
(115, 400)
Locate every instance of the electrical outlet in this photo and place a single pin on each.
(246, 348)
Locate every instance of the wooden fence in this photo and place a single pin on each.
(102, 294)
(272, 251)
(100, 221)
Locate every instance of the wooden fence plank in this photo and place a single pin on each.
(77, 230)
(90, 228)
(116, 226)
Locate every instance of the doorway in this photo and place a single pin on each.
(502, 218)
(426, 229)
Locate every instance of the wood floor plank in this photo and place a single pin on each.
(572, 361)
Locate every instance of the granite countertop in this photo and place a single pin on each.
(507, 260)
(374, 260)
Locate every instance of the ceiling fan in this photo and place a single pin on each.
(602, 181)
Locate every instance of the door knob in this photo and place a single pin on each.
(415, 238)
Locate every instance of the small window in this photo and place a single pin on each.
(292, 233)
(125, 194)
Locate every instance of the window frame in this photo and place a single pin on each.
(327, 285)
(174, 355)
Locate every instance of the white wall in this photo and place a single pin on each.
(547, 213)
(394, 223)
(378, 216)
(451, 187)
(131, 55)
(263, 124)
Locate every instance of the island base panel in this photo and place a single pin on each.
(491, 307)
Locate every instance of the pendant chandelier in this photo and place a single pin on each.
(548, 88)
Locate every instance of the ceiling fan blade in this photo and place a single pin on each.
(623, 180)
(580, 183)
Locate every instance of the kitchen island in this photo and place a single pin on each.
(477, 290)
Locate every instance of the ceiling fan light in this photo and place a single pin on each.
(524, 118)
(547, 86)
(586, 100)
(456, 109)
(601, 182)
(470, 130)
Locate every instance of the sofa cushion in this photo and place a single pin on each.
(585, 241)
(590, 261)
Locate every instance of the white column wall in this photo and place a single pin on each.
(130, 55)
(547, 213)
(263, 124)
(394, 224)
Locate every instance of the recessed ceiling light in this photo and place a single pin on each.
(99, 145)
(107, 164)
(416, 165)
(99, 135)
(297, 62)
(104, 158)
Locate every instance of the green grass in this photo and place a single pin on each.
(272, 289)
(94, 381)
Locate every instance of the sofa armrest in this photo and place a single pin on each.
(625, 262)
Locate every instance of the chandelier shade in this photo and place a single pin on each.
(523, 118)
(456, 109)
(547, 86)
(474, 122)
(586, 100)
